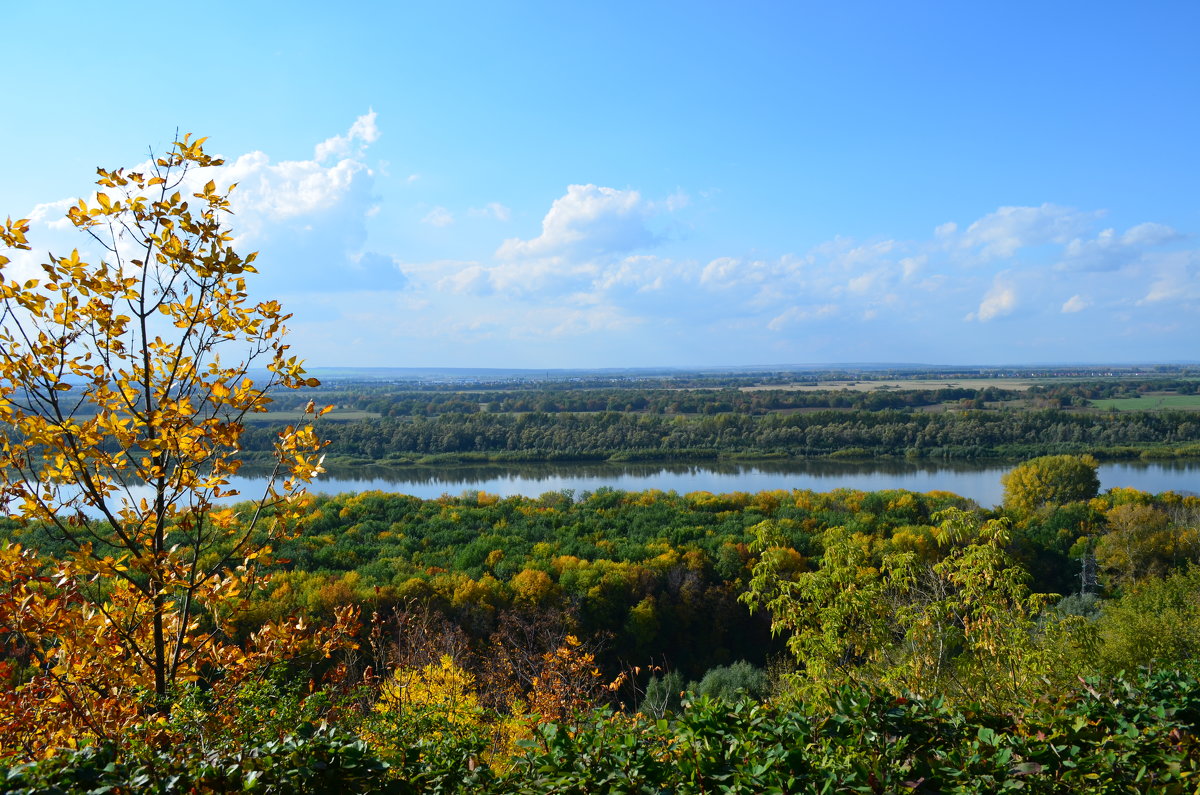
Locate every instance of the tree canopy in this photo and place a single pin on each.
(1050, 480)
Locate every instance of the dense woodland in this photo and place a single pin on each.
(400, 424)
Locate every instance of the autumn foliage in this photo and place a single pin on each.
(125, 381)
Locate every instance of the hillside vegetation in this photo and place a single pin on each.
(784, 641)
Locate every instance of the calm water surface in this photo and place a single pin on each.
(979, 482)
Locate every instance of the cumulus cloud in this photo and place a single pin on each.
(291, 188)
(1076, 303)
(999, 301)
(586, 246)
(725, 272)
(1108, 251)
(1003, 233)
(361, 134)
(600, 268)
(585, 277)
(308, 217)
(588, 222)
(641, 273)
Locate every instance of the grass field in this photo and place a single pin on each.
(337, 415)
(921, 383)
(1151, 402)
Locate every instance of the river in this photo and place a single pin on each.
(980, 482)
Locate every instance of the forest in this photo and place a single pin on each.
(397, 424)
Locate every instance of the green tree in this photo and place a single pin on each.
(1156, 623)
(1050, 480)
(1141, 541)
(966, 626)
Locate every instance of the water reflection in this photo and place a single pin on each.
(980, 482)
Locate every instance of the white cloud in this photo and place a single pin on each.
(1076, 303)
(725, 272)
(473, 278)
(588, 222)
(1003, 233)
(862, 283)
(582, 279)
(586, 237)
(1000, 300)
(360, 135)
(1108, 251)
(587, 276)
(641, 273)
(1149, 234)
(910, 266)
(438, 216)
(308, 217)
(676, 201)
(291, 188)
(1163, 290)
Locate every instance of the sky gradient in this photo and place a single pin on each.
(619, 184)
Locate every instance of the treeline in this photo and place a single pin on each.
(1124, 388)
(619, 436)
(389, 403)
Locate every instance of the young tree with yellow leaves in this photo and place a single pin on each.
(124, 386)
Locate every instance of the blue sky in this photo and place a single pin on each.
(647, 184)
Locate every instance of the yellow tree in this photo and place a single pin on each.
(1050, 480)
(124, 386)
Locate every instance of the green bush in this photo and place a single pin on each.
(313, 760)
(729, 682)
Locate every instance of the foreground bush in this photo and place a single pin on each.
(314, 760)
(1131, 734)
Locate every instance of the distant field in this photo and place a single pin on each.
(922, 383)
(1151, 402)
(343, 415)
